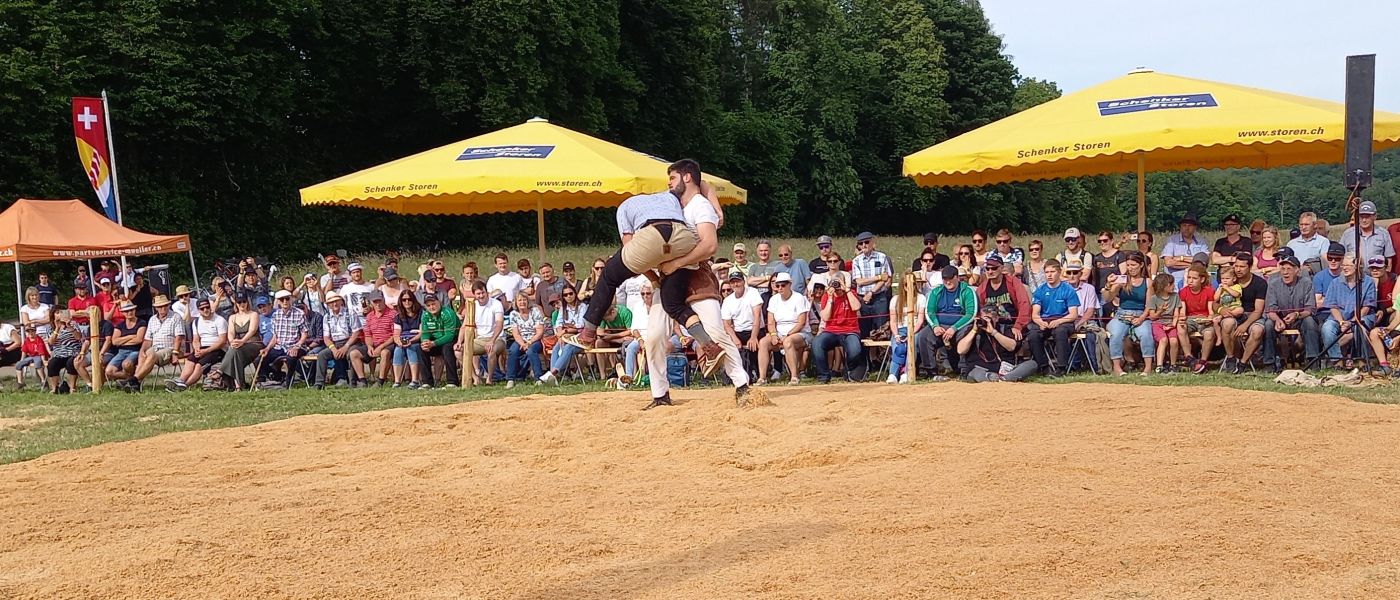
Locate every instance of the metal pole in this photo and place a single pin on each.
(194, 272)
(92, 278)
(19, 288)
(539, 226)
(1142, 192)
(116, 190)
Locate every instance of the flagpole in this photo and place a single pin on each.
(116, 191)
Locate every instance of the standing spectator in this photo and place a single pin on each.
(1012, 258)
(793, 266)
(355, 292)
(527, 271)
(106, 269)
(1150, 262)
(78, 307)
(510, 283)
(1198, 299)
(1035, 267)
(979, 246)
(741, 258)
(872, 272)
(1180, 248)
(1289, 305)
(47, 293)
(334, 278)
(35, 312)
(550, 286)
(835, 271)
(759, 272)
(1266, 257)
(83, 280)
(444, 281)
(1107, 263)
(1309, 247)
(1243, 336)
(471, 274)
(585, 289)
(742, 311)
(1322, 228)
(839, 326)
(1008, 298)
(1074, 248)
(818, 263)
(1130, 291)
(526, 330)
(787, 329)
(1256, 232)
(1233, 243)
(951, 309)
(430, 288)
(207, 346)
(965, 259)
(1343, 311)
(393, 286)
(1374, 241)
(1054, 309)
(931, 246)
(438, 337)
(309, 296)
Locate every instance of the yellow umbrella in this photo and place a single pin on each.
(534, 166)
(1146, 121)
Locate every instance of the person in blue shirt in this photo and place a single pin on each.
(1054, 307)
(1337, 332)
(1331, 269)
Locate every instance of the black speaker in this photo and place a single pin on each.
(1361, 116)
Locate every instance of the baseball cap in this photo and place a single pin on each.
(1073, 265)
(240, 297)
(930, 238)
(1336, 249)
(285, 294)
(1189, 218)
(736, 276)
(1367, 208)
(782, 277)
(740, 247)
(1283, 252)
(375, 295)
(429, 275)
(1230, 218)
(1201, 257)
(1376, 261)
(825, 239)
(308, 276)
(390, 273)
(993, 261)
(567, 266)
(865, 236)
(1294, 234)
(332, 257)
(105, 280)
(262, 301)
(949, 272)
(354, 266)
(1072, 233)
(201, 303)
(1290, 260)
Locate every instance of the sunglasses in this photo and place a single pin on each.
(781, 284)
(1005, 241)
(1334, 259)
(862, 244)
(964, 254)
(1105, 240)
(568, 294)
(927, 260)
(979, 240)
(823, 246)
(784, 255)
(1144, 241)
(1068, 240)
(598, 268)
(1255, 232)
(648, 293)
(1035, 249)
(991, 267)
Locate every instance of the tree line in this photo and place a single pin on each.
(222, 111)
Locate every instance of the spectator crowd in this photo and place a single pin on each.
(1252, 300)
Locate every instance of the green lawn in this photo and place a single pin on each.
(33, 424)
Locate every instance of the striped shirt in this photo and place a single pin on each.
(378, 327)
(67, 343)
(162, 334)
(867, 266)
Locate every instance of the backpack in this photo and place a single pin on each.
(678, 370)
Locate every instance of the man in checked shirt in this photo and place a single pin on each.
(872, 274)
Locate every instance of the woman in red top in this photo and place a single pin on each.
(840, 308)
(1198, 297)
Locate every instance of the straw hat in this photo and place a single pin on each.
(160, 300)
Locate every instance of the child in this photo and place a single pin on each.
(899, 342)
(1164, 309)
(34, 351)
(1197, 306)
(1227, 296)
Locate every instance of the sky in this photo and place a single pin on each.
(1293, 46)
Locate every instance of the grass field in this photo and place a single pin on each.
(33, 424)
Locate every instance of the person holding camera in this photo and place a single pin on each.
(987, 354)
(840, 308)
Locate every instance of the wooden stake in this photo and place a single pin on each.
(469, 342)
(94, 342)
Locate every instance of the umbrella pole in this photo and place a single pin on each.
(539, 225)
(194, 271)
(19, 290)
(1142, 194)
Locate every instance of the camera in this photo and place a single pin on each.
(1133, 237)
(984, 323)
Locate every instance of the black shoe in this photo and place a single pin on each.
(1239, 367)
(741, 396)
(823, 380)
(662, 401)
(319, 386)
(1278, 367)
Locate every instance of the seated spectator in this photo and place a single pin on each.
(127, 338)
(985, 352)
(1344, 313)
(568, 320)
(165, 336)
(1164, 310)
(290, 334)
(1198, 301)
(965, 260)
(742, 310)
(11, 344)
(900, 317)
(1054, 310)
(488, 326)
(525, 326)
(950, 310)
(1011, 257)
(245, 345)
(840, 308)
(207, 347)
(1323, 279)
(408, 340)
(33, 353)
(1382, 339)
(1266, 255)
(438, 336)
(1007, 297)
(65, 344)
(35, 312)
(1289, 305)
(379, 336)
(1385, 287)
(1129, 291)
(341, 331)
(1088, 309)
(1243, 335)
(787, 329)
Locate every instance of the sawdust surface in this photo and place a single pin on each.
(935, 491)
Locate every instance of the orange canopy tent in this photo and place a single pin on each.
(37, 230)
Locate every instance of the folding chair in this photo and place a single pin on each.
(887, 361)
(1079, 344)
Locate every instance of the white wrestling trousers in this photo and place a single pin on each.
(658, 333)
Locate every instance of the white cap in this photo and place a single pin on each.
(354, 266)
(282, 294)
(783, 277)
(1072, 232)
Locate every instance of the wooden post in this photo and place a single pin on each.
(94, 342)
(469, 342)
(910, 297)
